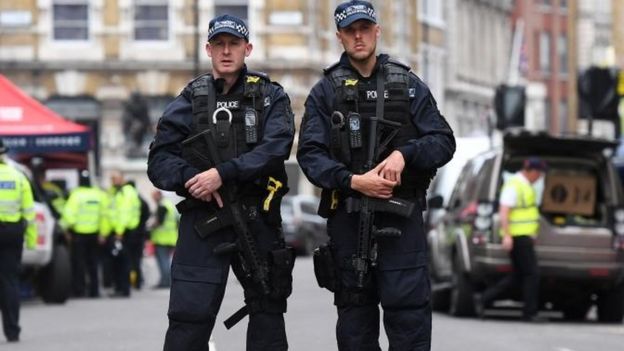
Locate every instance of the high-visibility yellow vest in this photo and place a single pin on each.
(524, 217)
(85, 211)
(125, 209)
(16, 201)
(167, 233)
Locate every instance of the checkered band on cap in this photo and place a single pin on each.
(349, 12)
(228, 24)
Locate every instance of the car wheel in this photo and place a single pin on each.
(611, 305)
(461, 299)
(55, 278)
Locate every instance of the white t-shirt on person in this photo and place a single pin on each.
(508, 195)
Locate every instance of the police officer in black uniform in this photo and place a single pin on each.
(333, 150)
(251, 122)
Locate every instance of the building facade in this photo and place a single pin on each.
(549, 45)
(84, 58)
(478, 54)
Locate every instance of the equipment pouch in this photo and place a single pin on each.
(281, 264)
(325, 268)
(211, 223)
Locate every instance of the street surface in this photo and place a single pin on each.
(139, 324)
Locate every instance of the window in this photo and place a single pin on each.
(562, 49)
(563, 116)
(70, 20)
(236, 8)
(151, 20)
(544, 51)
(431, 11)
(547, 112)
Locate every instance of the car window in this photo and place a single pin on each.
(308, 208)
(460, 187)
(485, 178)
(286, 208)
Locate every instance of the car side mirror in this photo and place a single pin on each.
(436, 201)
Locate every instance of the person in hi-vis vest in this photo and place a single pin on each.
(519, 226)
(17, 227)
(85, 218)
(164, 235)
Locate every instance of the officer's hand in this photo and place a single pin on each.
(393, 166)
(372, 184)
(216, 196)
(507, 242)
(204, 184)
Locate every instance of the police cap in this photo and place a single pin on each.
(535, 163)
(228, 24)
(351, 11)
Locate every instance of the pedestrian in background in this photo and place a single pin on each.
(519, 225)
(135, 242)
(163, 236)
(17, 227)
(84, 217)
(334, 154)
(125, 216)
(252, 128)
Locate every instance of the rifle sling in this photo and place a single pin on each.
(381, 97)
(236, 317)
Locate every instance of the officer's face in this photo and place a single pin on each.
(533, 175)
(228, 54)
(359, 39)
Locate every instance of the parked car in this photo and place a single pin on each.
(303, 228)
(580, 245)
(446, 176)
(47, 267)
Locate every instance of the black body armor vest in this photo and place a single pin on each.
(357, 96)
(237, 124)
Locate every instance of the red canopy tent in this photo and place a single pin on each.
(30, 129)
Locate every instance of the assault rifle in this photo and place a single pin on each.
(366, 254)
(232, 214)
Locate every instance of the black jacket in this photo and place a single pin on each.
(169, 171)
(431, 149)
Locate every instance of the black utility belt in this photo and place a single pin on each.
(395, 205)
(189, 204)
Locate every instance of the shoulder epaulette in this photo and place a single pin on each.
(259, 74)
(331, 67)
(396, 62)
(199, 78)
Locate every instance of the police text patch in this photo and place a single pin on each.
(7, 185)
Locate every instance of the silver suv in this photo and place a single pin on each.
(580, 245)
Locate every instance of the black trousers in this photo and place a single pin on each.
(11, 242)
(84, 257)
(120, 264)
(199, 278)
(525, 275)
(399, 283)
(135, 243)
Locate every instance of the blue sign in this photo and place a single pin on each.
(74, 142)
